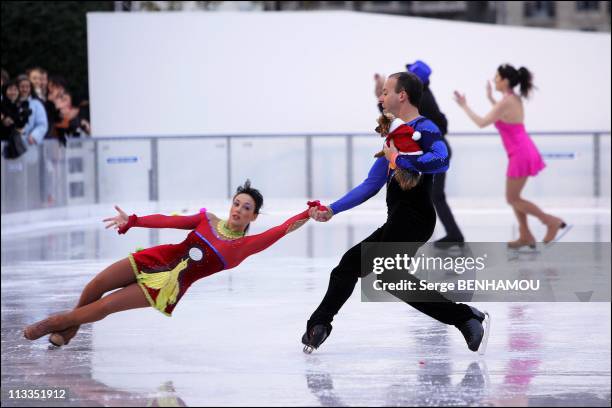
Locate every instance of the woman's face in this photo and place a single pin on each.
(63, 101)
(242, 212)
(501, 84)
(12, 93)
(25, 89)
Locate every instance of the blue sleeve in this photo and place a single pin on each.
(434, 158)
(377, 177)
(37, 124)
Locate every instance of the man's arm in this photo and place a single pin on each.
(433, 160)
(377, 177)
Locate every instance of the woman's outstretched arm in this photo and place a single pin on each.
(122, 222)
(257, 243)
(482, 121)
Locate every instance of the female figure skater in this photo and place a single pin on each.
(160, 276)
(524, 159)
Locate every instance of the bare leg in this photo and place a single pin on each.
(514, 187)
(117, 275)
(130, 297)
(513, 196)
(525, 234)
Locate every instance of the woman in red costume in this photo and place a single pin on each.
(160, 276)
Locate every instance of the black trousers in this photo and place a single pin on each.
(444, 212)
(403, 225)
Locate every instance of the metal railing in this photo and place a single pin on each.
(50, 175)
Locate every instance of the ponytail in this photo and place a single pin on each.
(525, 81)
(522, 77)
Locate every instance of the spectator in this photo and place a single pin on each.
(56, 88)
(13, 120)
(10, 110)
(74, 120)
(35, 77)
(31, 107)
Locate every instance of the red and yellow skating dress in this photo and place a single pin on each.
(165, 272)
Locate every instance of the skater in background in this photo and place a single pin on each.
(160, 276)
(524, 159)
(411, 218)
(429, 108)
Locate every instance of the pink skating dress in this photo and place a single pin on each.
(523, 156)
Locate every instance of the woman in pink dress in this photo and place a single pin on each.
(524, 159)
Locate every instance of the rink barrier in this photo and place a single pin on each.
(50, 176)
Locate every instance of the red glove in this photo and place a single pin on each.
(131, 222)
(317, 203)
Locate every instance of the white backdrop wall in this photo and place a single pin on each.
(277, 73)
(301, 72)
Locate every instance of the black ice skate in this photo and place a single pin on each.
(314, 337)
(476, 331)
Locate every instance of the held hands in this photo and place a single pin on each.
(460, 99)
(117, 221)
(319, 212)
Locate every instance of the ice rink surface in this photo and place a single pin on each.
(234, 339)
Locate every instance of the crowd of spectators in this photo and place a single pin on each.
(37, 107)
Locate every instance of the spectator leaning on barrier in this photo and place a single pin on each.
(10, 110)
(37, 124)
(74, 121)
(13, 120)
(55, 88)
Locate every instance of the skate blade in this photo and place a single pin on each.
(560, 235)
(308, 349)
(485, 338)
(56, 340)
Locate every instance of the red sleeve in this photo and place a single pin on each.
(259, 242)
(163, 221)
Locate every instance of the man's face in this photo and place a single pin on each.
(389, 98)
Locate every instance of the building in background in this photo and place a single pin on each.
(569, 15)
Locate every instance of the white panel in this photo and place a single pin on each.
(275, 166)
(477, 168)
(192, 169)
(364, 149)
(329, 167)
(124, 170)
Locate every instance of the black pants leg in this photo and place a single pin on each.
(402, 226)
(341, 283)
(442, 209)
